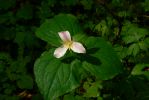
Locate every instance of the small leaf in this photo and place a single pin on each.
(102, 28)
(26, 82)
(129, 39)
(92, 89)
(133, 49)
(139, 69)
(143, 45)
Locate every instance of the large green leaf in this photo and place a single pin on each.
(48, 31)
(56, 77)
(103, 61)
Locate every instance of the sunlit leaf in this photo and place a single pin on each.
(92, 89)
(141, 69)
(133, 49)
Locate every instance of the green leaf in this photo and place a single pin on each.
(132, 33)
(124, 13)
(145, 5)
(121, 51)
(19, 39)
(103, 61)
(102, 27)
(146, 40)
(143, 45)
(133, 49)
(48, 31)
(55, 77)
(129, 39)
(139, 69)
(26, 82)
(92, 89)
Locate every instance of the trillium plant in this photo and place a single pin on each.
(68, 43)
(56, 78)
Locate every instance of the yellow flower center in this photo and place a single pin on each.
(68, 44)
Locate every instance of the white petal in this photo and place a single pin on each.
(59, 52)
(78, 47)
(65, 35)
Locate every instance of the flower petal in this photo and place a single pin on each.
(65, 35)
(59, 52)
(78, 47)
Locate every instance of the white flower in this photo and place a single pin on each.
(68, 44)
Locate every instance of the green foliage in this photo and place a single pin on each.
(132, 34)
(13, 71)
(146, 5)
(135, 39)
(29, 28)
(141, 69)
(6, 4)
(106, 28)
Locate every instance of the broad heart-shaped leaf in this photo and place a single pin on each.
(48, 31)
(55, 77)
(103, 61)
